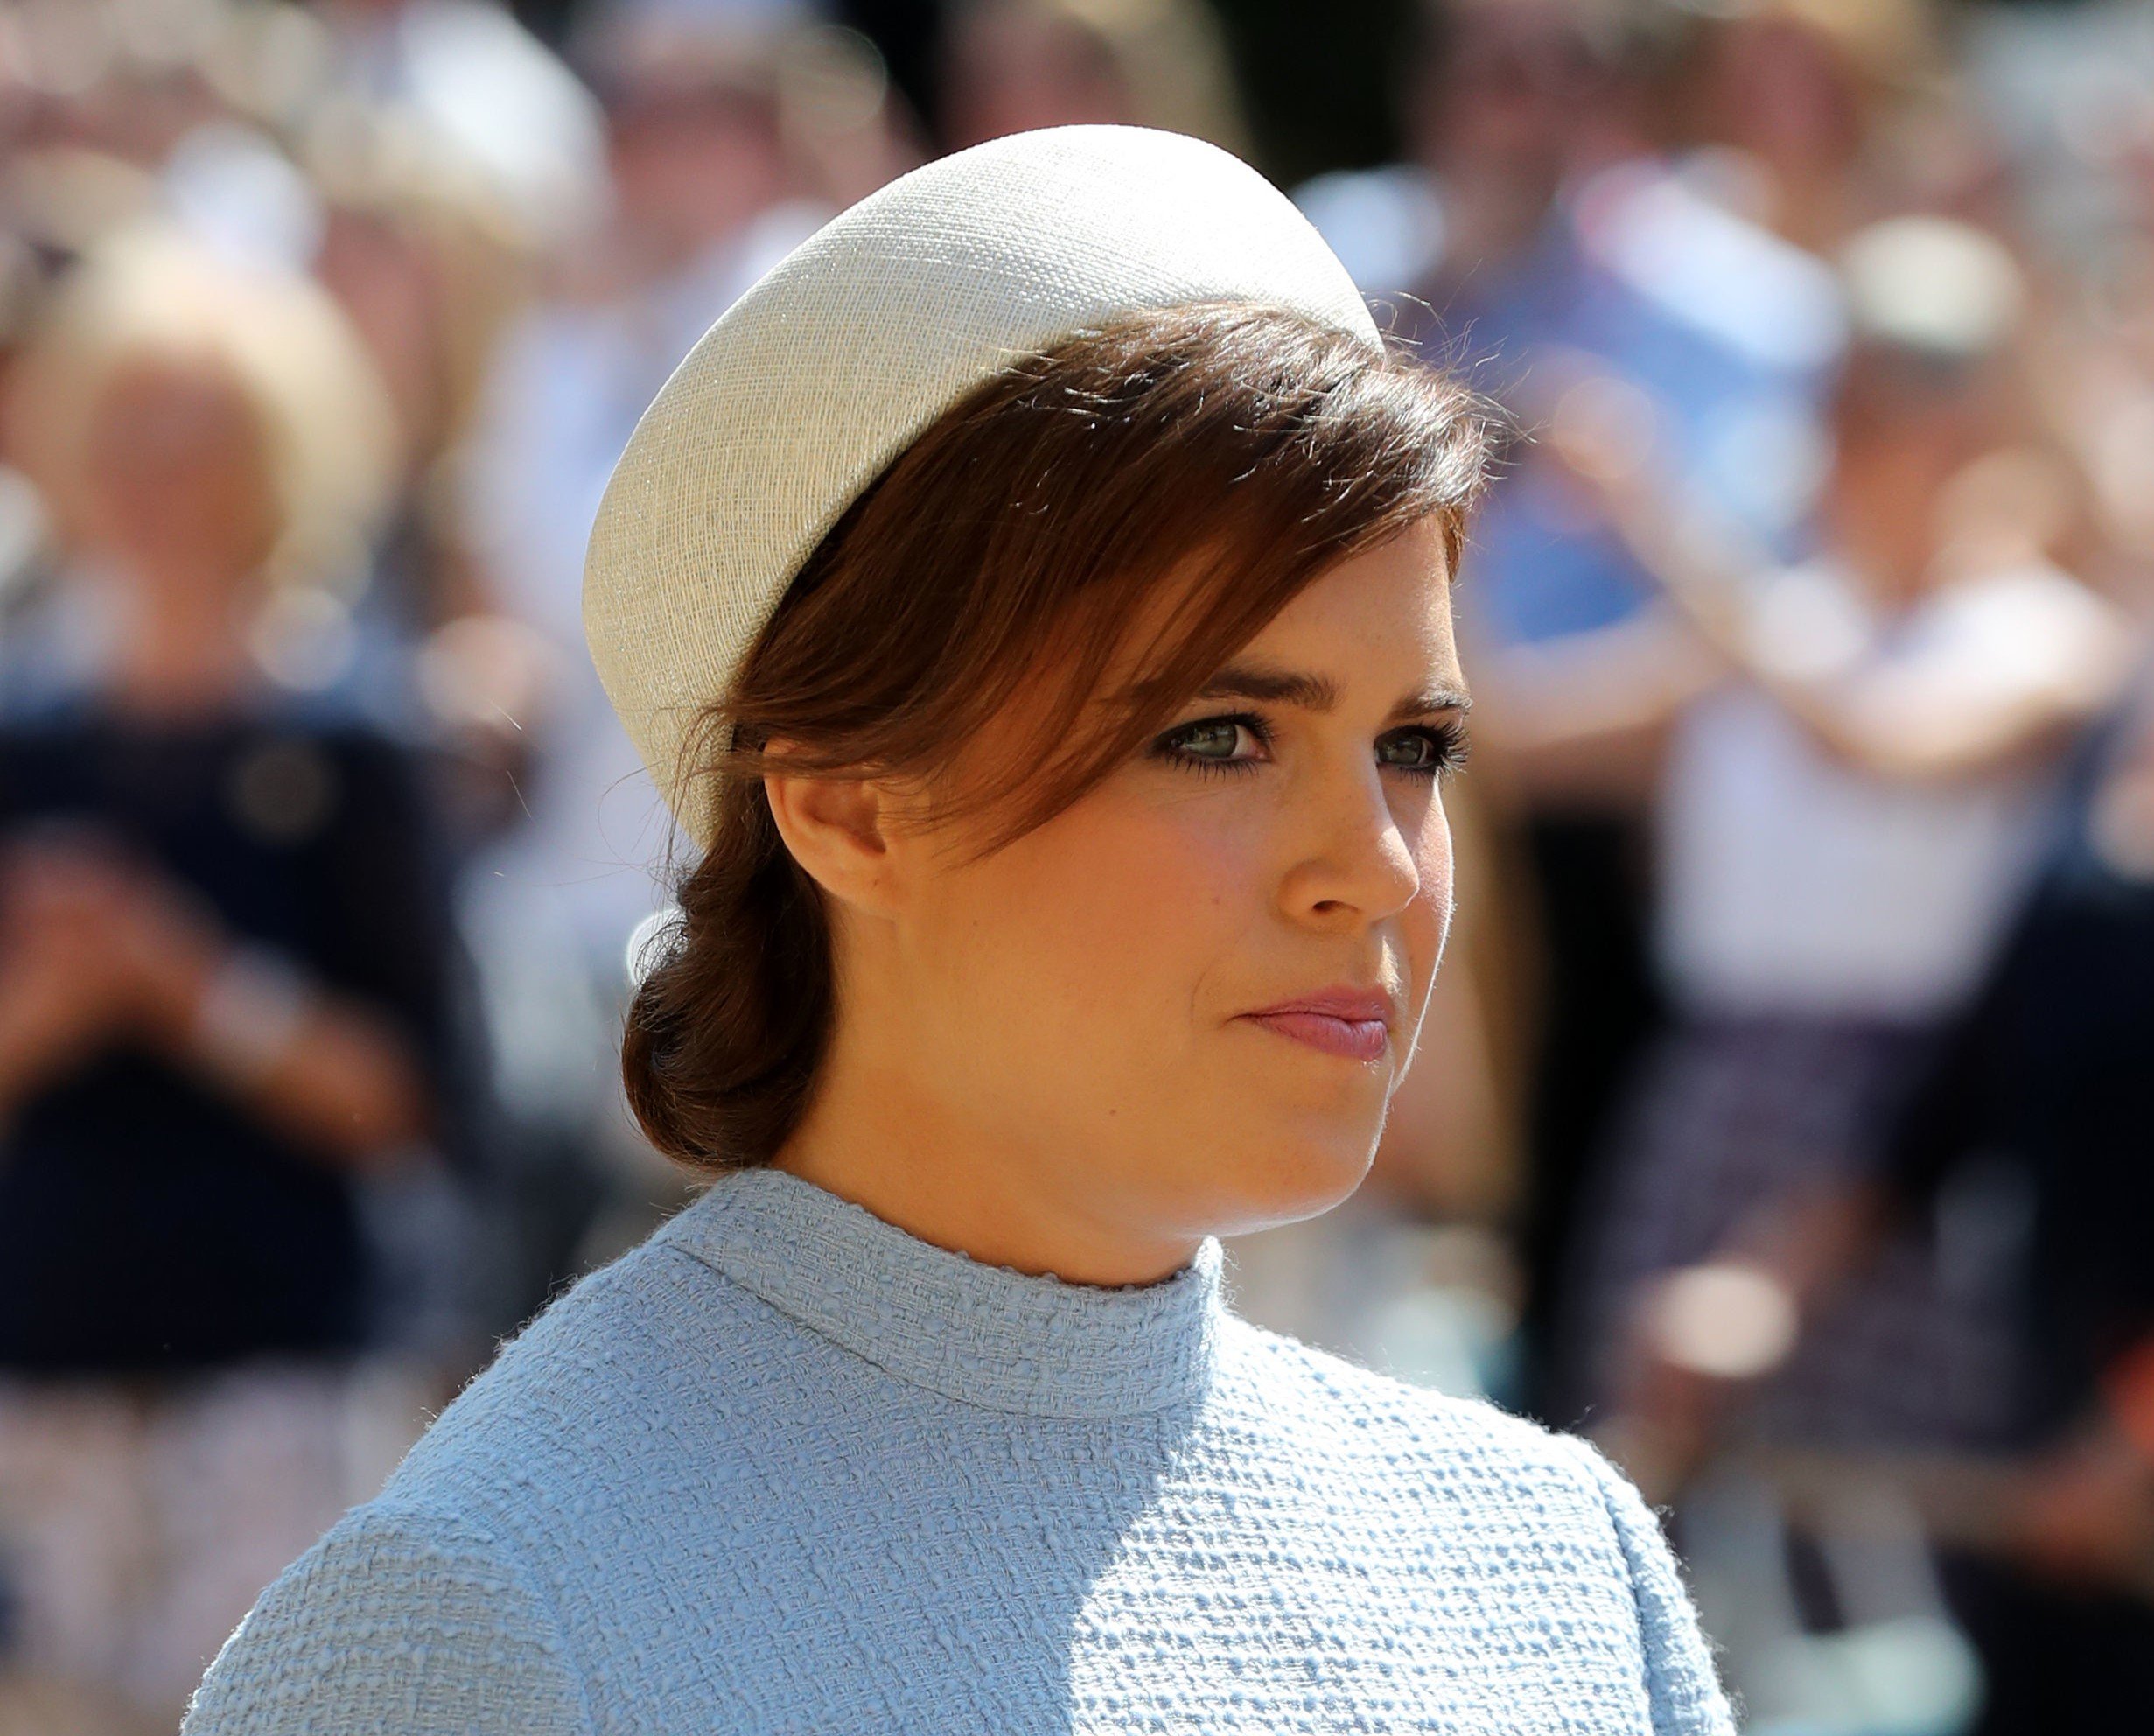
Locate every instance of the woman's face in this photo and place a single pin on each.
(1181, 1006)
(178, 482)
(1784, 91)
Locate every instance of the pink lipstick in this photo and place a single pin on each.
(1342, 1020)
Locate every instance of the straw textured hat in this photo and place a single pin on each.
(806, 387)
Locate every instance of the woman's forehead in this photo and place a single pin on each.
(1376, 613)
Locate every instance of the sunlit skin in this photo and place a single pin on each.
(1044, 1056)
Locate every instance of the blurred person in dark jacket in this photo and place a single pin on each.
(225, 1005)
(2046, 1081)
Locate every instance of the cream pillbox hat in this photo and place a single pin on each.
(808, 386)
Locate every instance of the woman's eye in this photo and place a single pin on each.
(1214, 740)
(1215, 744)
(1441, 748)
(1240, 744)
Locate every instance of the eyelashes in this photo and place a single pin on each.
(1426, 750)
(1442, 747)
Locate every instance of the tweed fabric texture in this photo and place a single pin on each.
(806, 387)
(786, 1468)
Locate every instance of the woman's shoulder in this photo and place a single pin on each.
(1465, 1456)
(643, 1358)
(401, 1617)
(1506, 1491)
(445, 1602)
(1292, 1379)
(440, 1602)
(1425, 1433)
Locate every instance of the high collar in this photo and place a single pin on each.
(990, 1336)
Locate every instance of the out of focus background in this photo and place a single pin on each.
(1785, 1116)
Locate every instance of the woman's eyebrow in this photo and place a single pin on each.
(1286, 687)
(1317, 693)
(1436, 699)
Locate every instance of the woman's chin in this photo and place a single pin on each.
(1274, 1183)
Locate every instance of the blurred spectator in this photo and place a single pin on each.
(2045, 1081)
(1566, 240)
(1846, 829)
(474, 84)
(226, 1022)
(1012, 66)
(1809, 102)
(429, 283)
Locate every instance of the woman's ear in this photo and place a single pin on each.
(839, 831)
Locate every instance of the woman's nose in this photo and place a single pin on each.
(1358, 859)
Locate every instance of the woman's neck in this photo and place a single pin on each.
(181, 649)
(868, 1138)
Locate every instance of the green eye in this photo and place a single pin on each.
(1215, 745)
(1214, 739)
(1424, 752)
(1416, 753)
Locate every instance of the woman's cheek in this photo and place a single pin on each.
(1432, 908)
(1164, 886)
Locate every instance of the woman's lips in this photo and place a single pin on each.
(1356, 1023)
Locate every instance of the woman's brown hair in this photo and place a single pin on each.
(1136, 502)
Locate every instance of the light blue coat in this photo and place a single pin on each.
(786, 1467)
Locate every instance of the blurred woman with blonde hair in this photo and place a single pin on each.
(222, 987)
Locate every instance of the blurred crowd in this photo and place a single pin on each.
(1782, 1118)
